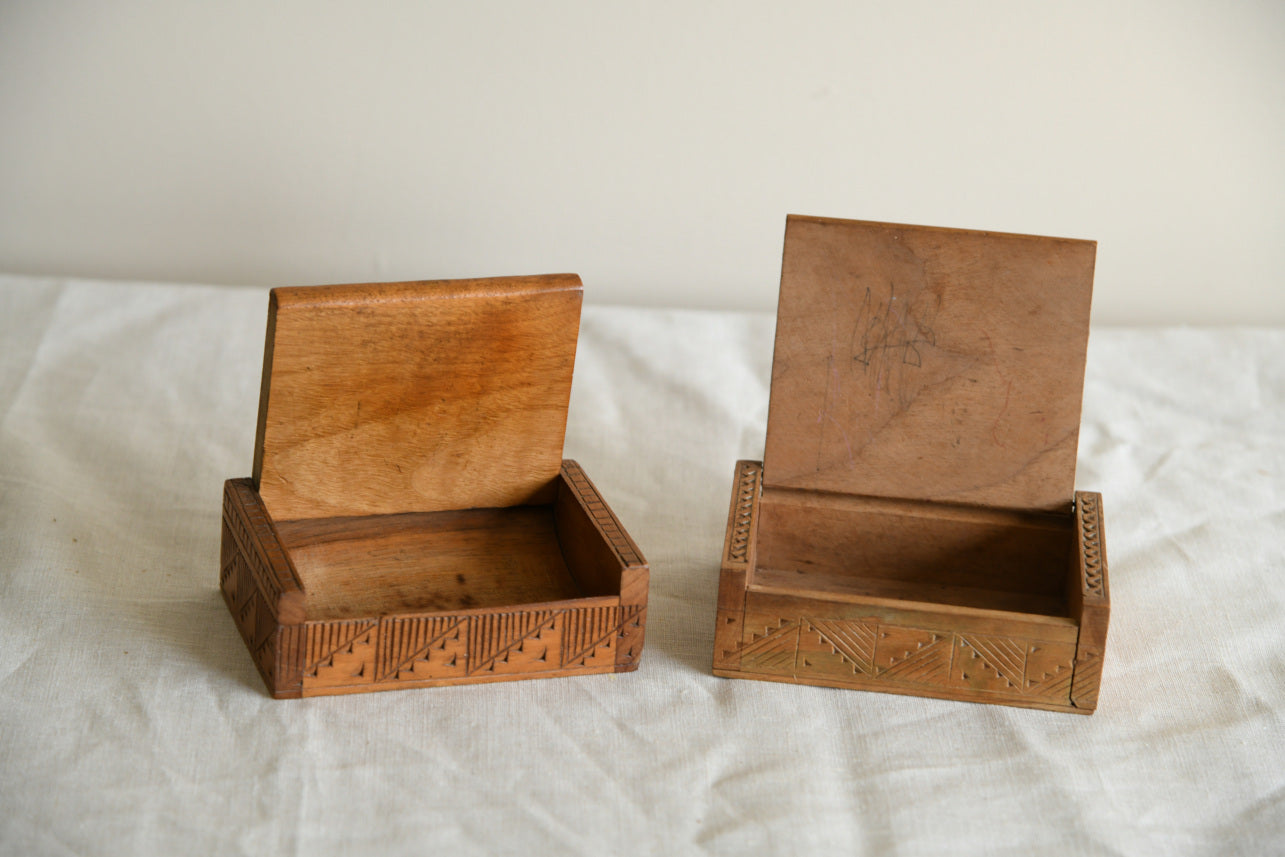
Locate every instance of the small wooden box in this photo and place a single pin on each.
(914, 527)
(410, 521)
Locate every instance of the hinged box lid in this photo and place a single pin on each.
(415, 397)
(929, 364)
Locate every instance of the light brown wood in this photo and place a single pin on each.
(431, 543)
(930, 364)
(428, 561)
(837, 544)
(415, 397)
(914, 528)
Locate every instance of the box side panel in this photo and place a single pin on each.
(976, 657)
(259, 590)
(598, 550)
(602, 557)
(270, 566)
(738, 558)
(1090, 599)
(434, 649)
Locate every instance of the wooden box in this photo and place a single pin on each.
(411, 521)
(914, 527)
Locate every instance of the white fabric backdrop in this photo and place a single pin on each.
(132, 720)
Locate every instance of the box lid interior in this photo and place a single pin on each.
(415, 397)
(929, 364)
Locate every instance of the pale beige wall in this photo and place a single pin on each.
(652, 147)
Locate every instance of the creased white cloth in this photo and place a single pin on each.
(132, 720)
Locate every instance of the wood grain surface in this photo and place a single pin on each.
(925, 363)
(411, 521)
(415, 397)
(914, 528)
(424, 562)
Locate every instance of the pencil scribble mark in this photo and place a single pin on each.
(889, 334)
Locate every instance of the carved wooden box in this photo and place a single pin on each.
(411, 521)
(913, 527)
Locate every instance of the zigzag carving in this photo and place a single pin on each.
(747, 486)
(1089, 513)
(896, 654)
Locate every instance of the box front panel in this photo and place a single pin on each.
(418, 650)
(905, 651)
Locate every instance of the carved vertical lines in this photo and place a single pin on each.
(400, 650)
(583, 631)
(747, 486)
(228, 552)
(493, 635)
(327, 639)
(291, 643)
(405, 640)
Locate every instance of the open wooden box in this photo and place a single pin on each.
(411, 521)
(913, 527)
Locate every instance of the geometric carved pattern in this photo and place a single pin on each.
(747, 486)
(1088, 674)
(1090, 519)
(601, 514)
(400, 649)
(774, 649)
(875, 652)
(629, 638)
(838, 648)
(253, 576)
(246, 580)
(590, 636)
(263, 593)
(1049, 669)
(494, 638)
(413, 647)
(339, 653)
(912, 655)
(243, 516)
(990, 663)
(326, 640)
